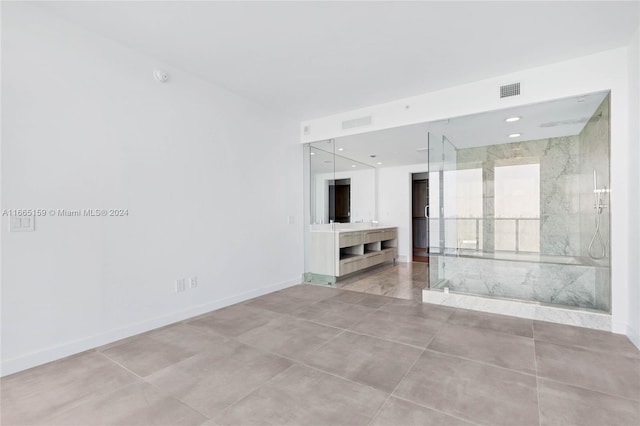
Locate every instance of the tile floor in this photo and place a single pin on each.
(311, 355)
(402, 280)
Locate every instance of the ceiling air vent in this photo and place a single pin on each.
(509, 90)
(356, 122)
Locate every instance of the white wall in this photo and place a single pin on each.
(603, 71)
(209, 180)
(634, 198)
(394, 201)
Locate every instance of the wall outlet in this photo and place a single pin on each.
(193, 282)
(181, 285)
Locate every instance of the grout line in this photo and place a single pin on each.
(565, 383)
(300, 362)
(350, 330)
(480, 362)
(194, 355)
(317, 323)
(405, 375)
(488, 329)
(252, 391)
(589, 389)
(80, 400)
(588, 349)
(431, 350)
(442, 326)
(160, 390)
(387, 340)
(443, 323)
(121, 366)
(437, 410)
(312, 367)
(169, 395)
(395, 387)
(328, 341)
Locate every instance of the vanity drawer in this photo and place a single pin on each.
(375, 259)
(390, 234)
(390, 254)
(347, 239)
(373, 236)
(351, 265)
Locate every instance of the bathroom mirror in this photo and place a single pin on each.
(343, 190)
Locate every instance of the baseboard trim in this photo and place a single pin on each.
(633, 335)
(53, 353)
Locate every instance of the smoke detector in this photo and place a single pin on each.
(160, 75)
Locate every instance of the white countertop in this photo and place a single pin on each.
(348, 227)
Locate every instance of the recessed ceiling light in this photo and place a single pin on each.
(379, 163)
(340, 149)
(353, 165)
(514, 135)
(512, 119)
(313, 153)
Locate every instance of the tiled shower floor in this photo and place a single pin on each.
(312, 355)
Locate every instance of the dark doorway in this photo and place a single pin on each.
(340, 201)
(420, 213)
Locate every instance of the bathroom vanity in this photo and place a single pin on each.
(337, 252)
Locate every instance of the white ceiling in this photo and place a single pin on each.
(405, 145)
(552, 119)
(311, 59)
(324, 161)
(391, 147)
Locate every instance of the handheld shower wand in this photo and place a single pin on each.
(598, 205)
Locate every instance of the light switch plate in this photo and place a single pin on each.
(181, 285)
(22, 224)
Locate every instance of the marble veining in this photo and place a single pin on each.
(519, 309)
(560, 233)
(565, 227)
(574, 285)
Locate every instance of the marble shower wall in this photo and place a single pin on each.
(576, 285)
(594, 155)
(560, 197)
(567, 223)
(560, 231)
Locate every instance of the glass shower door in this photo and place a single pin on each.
(442, 229)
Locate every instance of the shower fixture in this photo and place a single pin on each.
(599, 206)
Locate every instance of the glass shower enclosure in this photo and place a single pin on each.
(524, 219)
